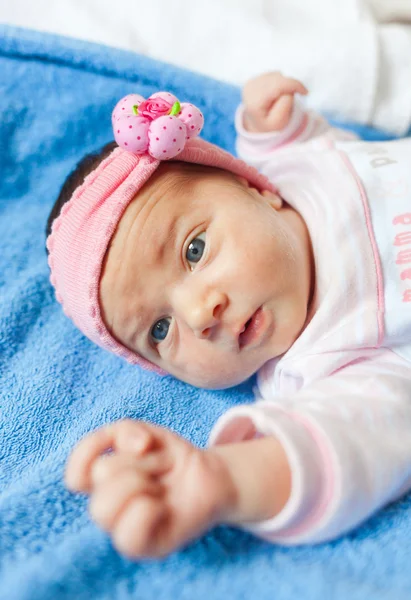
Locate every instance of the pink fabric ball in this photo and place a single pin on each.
(165, 96)
(131, 133)
(125, 106)
(193, 119)
(167, 137)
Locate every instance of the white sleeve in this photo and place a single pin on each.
(348, 442)
(304, 126)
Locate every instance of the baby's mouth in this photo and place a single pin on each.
(253, 328)
(246, 325)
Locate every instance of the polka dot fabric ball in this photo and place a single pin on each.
(131, 133)
(125, 106)
(193, 119)
(167, 137)
(161, 127)
(164, 96)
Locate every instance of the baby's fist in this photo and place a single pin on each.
(268, 101)
(153, 493)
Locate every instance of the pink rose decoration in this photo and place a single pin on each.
(152, 109)
(158, 126)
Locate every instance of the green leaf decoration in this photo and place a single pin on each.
(176, 108)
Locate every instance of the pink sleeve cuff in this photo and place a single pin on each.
(309, 459)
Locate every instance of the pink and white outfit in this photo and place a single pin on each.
(339, 400)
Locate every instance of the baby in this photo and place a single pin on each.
(209, 269)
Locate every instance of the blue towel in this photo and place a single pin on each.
(56, 98)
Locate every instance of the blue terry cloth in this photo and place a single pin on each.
(56, 99)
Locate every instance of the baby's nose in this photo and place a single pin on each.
(203, 313)
(204, 319)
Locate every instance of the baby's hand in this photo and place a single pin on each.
(154, 492)
(268, 101)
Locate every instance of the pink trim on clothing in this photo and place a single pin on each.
(377, 262)
(328, 491)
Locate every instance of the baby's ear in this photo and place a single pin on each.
(273, 199)
(243, 181)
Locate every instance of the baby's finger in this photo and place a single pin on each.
(280, 114)
(156, 463)
(136, 530)
(279, 88)
(108, 466)
(295, 87)
(132, 435)
(111, 497)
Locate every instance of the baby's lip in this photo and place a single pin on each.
(253, 328)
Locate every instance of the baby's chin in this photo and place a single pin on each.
(215, 380)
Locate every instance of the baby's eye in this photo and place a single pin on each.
(160, 329)
(195, 249)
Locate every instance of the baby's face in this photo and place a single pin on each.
(207, 277)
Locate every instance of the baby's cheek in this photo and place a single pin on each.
(196, 367)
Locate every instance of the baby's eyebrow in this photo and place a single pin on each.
(169, 239)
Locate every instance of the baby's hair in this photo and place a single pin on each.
(87, 164)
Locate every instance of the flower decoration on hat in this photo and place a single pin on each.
(159, 126)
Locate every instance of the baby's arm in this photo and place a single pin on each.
(348, 443)
(270, 118)
(156, 491)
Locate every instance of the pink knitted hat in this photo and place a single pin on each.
(147, 131)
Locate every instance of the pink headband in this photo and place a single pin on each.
(81, 233)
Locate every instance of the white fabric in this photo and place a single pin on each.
(355, 67)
